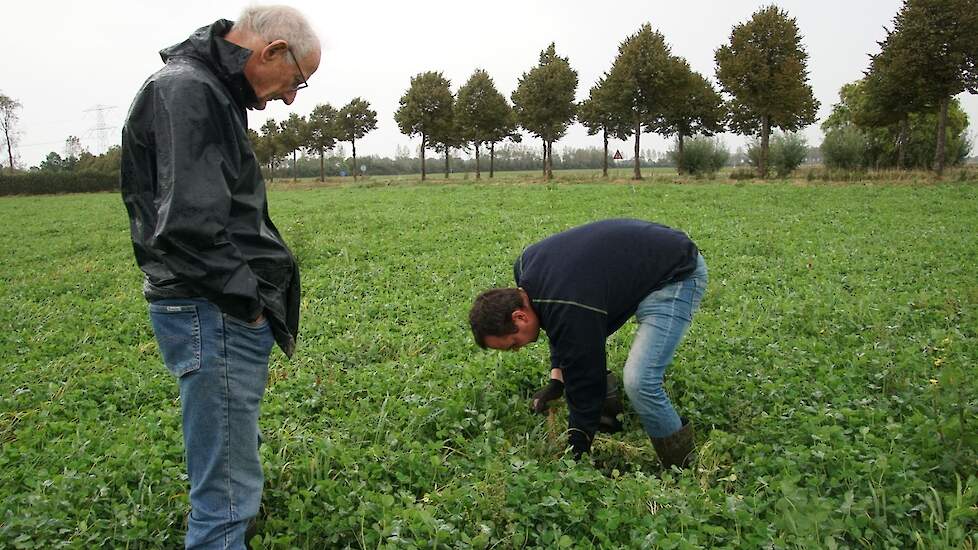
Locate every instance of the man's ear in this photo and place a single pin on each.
(519, 316)
(274, 49)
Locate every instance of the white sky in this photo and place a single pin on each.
(65, 57)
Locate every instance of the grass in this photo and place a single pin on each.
(830, 374)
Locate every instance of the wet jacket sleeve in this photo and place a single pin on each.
(197, 160)
(578, 347)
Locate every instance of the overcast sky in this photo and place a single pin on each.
(64, 58)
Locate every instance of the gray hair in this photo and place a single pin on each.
(280, 23)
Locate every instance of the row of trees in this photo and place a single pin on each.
(647, 89)
(906, 99)
(478, 115)
(317, 134)
(929, 56)
(77, 159)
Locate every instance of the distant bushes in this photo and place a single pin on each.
(43, 183)
(786, 152)
(701, 156)
(845, 148)
(963, 174)
(738, 174)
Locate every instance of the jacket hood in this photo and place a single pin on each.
(224, 59)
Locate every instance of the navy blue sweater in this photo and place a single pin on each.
(584, 283)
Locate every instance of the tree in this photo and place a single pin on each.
(934, 44)
(544, 101)
(508, 129)
(764, 70)
(640, 83)
(599, 113)
(292, 132)
(267, 147)
(447, 136)
(52, 163)
(353, 122)
(481, 113)
(321, 133)
(696, 108)
(8, 124)
(73, 147)
(425, 106)
(886, 97)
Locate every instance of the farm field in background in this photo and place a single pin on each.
(804, 175)
(830, 374)
(435, 177)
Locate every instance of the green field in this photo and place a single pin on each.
(831, 374)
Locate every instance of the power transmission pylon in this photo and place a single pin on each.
(101, 130)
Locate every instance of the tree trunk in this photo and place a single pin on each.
(294, 176)
(10, 148)
(550, 160)
(765, 141)
(477, 174)
(638, 136)
(544, 159)
(902, 140)
(353, 142)
(492, 158)
(941, 135)
(604, 165)
(447, 151)
(679, 156)
(423, 139)
(322, 165)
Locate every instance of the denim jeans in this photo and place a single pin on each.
(222, 367)
(663, 318)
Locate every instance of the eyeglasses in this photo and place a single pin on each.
(302, 84)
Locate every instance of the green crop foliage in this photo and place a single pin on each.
(830, 374)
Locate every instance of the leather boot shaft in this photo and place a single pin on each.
(676, 449)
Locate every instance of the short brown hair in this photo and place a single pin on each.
(492, 313)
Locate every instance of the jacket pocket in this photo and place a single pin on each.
(177, 329)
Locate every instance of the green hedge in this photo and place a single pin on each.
(44, 183)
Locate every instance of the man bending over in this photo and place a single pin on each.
(581, 286)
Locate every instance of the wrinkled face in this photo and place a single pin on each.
(278, 75)
(527, 331)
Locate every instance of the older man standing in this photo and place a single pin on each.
(222, 285)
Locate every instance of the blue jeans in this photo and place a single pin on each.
(222, 367)
(663, 318)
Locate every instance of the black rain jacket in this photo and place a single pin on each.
(194, 190)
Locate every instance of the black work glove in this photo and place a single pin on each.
(580, 443)
(553, 390)
(609, 425)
